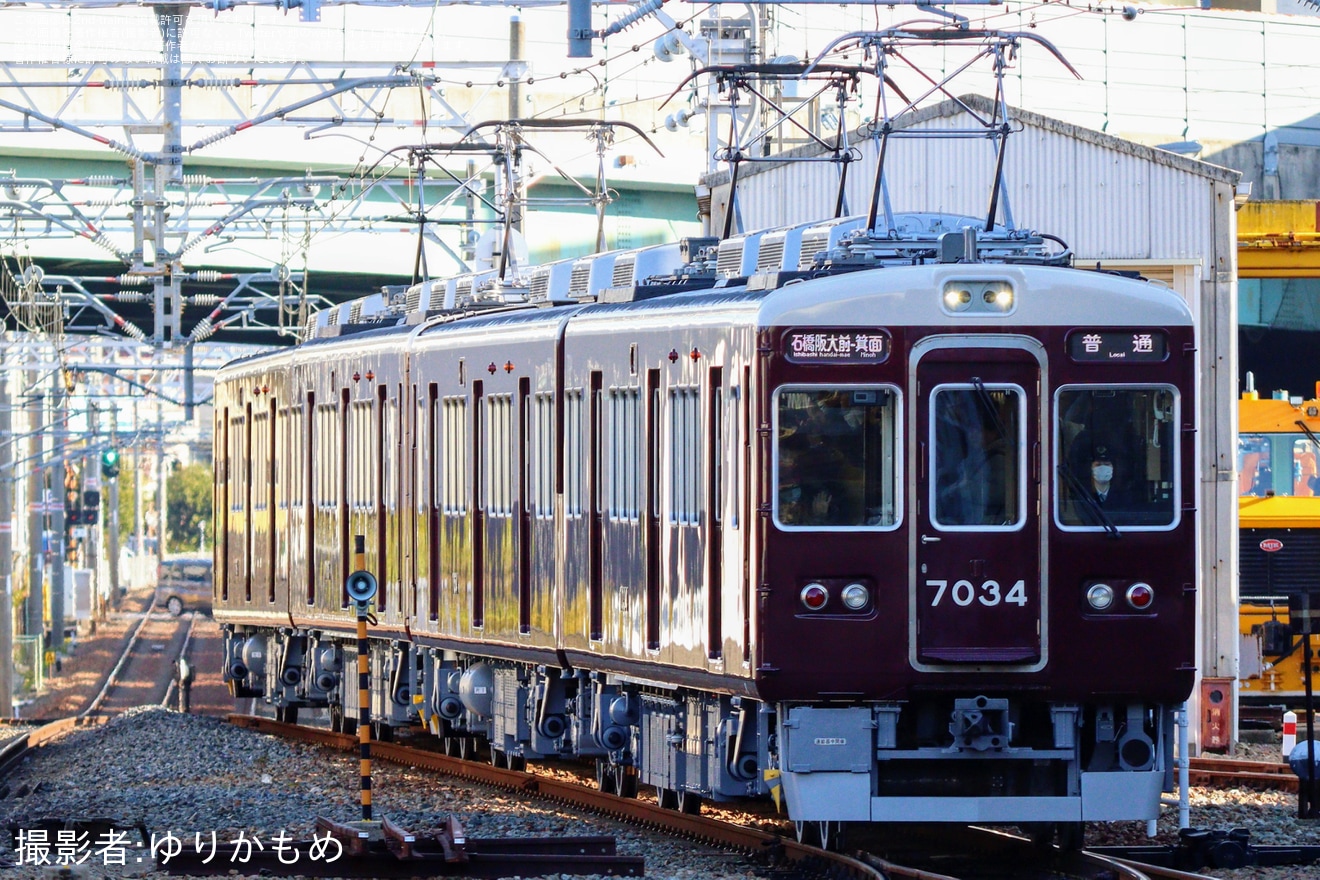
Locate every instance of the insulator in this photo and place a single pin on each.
(131, 280)
(636, 15)
(195, 180)
(206, 275)
(103, 180)
(133, 331)
(205, 299)
(130, 297)
(203, 330)
(208, 83)
(128, 84)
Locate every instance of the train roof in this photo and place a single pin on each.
(838, 267)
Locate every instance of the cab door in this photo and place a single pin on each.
(977, 596)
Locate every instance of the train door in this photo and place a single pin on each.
(976, 592)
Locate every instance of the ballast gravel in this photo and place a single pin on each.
(191, 775)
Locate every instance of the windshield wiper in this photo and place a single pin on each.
(1310, 435)
(1091, 504)
(988, 402)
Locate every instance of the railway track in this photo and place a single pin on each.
(944, 853)
(143, 673)
(1230, 773)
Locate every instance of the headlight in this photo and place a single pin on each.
(855, 596)
(1100, 596)
(814, 596)
(957, 298)
(1000, 298)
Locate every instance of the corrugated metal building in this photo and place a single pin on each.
(1117, 204)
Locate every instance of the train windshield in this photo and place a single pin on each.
(1117, 458)
(978, 448)
(1277, 464)
(835, 458)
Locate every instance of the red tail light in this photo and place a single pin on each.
(814, 596)
(1140, 596)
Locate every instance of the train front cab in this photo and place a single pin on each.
(1004, 645)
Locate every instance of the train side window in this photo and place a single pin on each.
(624, 442)
(326, 497)
(362, 476)
(574, 454)
(978, 448)
(260, 464)
(685, 449)
(455, 457)
(391, 462)
(295, 461)
(238, 456)
(717, 451)
(542, 466)
(1116, 458)
(282, 459)
(734, 447)
(499, 455)
(836, 458)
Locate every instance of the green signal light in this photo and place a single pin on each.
(110, 463)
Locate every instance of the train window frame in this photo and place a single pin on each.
(1023, 464)
(1059, 453)
(892, 461)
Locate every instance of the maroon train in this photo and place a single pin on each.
(901, 525)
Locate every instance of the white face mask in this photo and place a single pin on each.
(1103, 473)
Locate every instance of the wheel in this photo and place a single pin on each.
(1072, 836)
(826, 835)
(831, 836)
(174, 605)
(605, 777)
(689, 802)
(625, 780)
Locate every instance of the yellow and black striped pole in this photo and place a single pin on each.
(362, 589)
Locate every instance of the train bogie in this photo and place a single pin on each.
(900, 543)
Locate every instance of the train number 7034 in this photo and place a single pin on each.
(988, 594)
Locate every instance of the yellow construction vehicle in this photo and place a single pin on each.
(1278, 539)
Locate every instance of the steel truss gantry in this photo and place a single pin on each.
(157, 220)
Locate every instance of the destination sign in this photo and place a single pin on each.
(1118, 346)
(841, 346)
